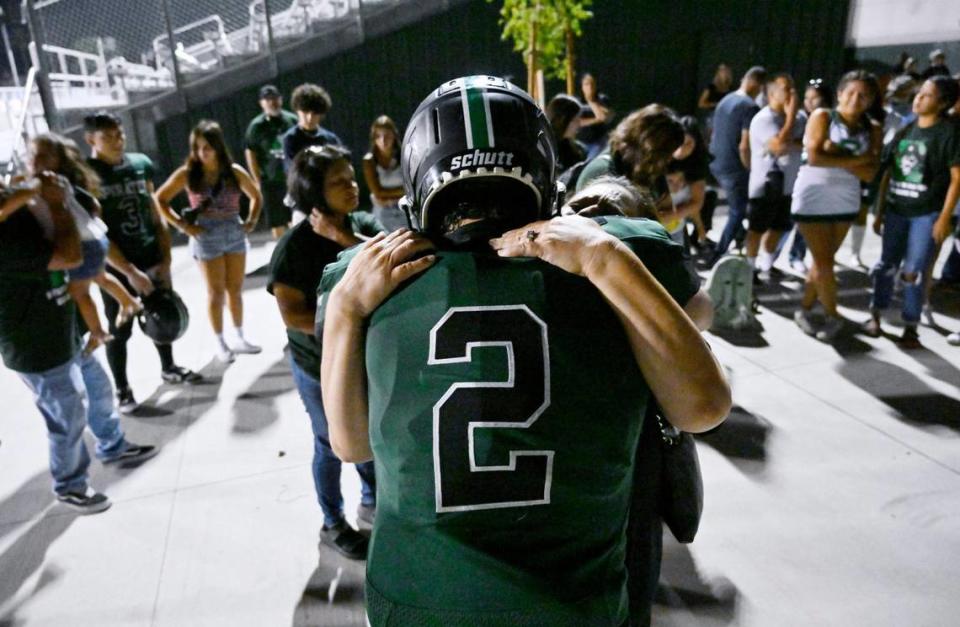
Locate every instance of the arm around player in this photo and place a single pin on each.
(676, 362)
(381, 265)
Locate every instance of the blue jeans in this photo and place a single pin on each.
(908, 241)
(70, 397)
(326, 465)
(798, 249)
(735, 186)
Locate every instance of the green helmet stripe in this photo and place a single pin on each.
(476, 115)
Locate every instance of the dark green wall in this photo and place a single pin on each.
(639, 51)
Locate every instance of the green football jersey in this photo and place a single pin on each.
(128, 209)
(505, 407)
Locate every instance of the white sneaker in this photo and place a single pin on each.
(830, 329)
(225, 355)
(805, 321)
(954, 339)
(241, 346)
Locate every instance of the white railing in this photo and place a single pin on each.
(136, 77)
(198, 57)
(294, 21)
(79, 80)
(21, 119)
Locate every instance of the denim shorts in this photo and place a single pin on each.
(94, 258)
(221, 236)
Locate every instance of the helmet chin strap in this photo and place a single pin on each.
(473, 236)
(406, 206)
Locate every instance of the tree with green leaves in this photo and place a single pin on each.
(543, 31)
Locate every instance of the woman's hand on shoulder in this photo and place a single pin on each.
(573, 243)
(379, 267)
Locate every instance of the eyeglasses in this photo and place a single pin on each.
(815, 82)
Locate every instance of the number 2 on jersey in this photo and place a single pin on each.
(461, 483)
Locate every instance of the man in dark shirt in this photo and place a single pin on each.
(40, 341)
(264, 153)
(311, 104)
(139, 243)
(730, 147)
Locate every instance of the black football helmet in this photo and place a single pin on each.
(478, 144)
(164, 318)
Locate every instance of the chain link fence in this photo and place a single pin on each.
(152, 59)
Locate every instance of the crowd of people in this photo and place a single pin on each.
(418, 317)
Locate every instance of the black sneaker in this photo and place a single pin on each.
(179, 374)
(345, 540)
(125, 401)
(86, 502)
(133, 455)
(366, 514)
(910, 340)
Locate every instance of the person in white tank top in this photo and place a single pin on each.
(381, 172)
(841, 148)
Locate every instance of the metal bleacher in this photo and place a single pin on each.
(186, 64)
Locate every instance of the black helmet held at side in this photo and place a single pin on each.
(478, 143)
(164, 318)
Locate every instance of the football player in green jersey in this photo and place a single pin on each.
(139, 253)
(497, 366)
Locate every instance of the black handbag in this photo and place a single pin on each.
(681, 496)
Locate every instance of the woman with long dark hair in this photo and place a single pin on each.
(687, 177)
(218, 240)
(841, 148)
(381, 171)
(563, 111)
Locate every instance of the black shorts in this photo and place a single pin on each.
(274, 211)
(769, 214)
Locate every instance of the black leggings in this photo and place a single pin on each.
(117, 349)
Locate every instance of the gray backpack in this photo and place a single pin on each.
(731, 290)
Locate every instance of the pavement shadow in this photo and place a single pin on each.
(745, 338)
(22, 559)
(333, 596)
(682, 590)
(742, 439)
(255, 409)
(936, 366)
(913, 401)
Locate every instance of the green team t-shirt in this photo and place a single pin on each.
(263, 138)
(38, 329)
(298, 261)
(920, 160)
(505, 407)
(128, 209)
